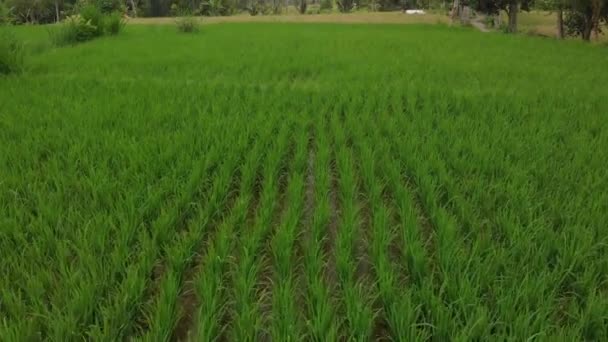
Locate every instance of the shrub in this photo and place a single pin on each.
(113, 23)
(187, 24)
(74, 29)
(93, 15)
(326, 5)
(256, 7)
(6, 14)
(109, 6)
(11, 53)
(218, 7)
(173, 10)
(489, 21)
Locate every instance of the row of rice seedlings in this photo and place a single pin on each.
(320, 282)
(398, 310)
(164, 314)
(210, 283)
(354, 295)
(73, 306)
(381, 232)
(448, 251)
(129, 298)
(286, 316)
(244, 310)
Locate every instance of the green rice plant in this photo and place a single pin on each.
(165, 311)
(92, 14)
(247, 295)
(209, 283)
(320, 305)
(113, 23)
(74, 29)
(6, 14)
(402, 316)
(187, 24)
(359, 315)
(12, 53)
(286, 320)
(147, 260)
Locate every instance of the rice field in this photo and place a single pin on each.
(316, 182)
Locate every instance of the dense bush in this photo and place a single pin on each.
(11, 53)
(326, 4)
(113, 23)
(6, 15)
(581, 23)
(109, 6)
(187, 24)
(74, 29)
(218, 7)
(345, 6)
(92, 14)
(87, 25)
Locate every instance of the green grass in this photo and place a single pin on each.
(304, 182)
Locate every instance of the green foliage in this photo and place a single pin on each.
(326, 4)
(6, 13)
(187, 24)
(574, 23)
(90, 24)
(12, 53)
(74, 29)
(493, 7)
(275, 6)
(256, 7)
(584, 16)
(93, 16)
(489, 21)
(218, 7)
(109, 6)
(313, 10)
(374, 5)
(345, 6)
(113, 23)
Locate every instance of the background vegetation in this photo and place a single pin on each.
(582, 18)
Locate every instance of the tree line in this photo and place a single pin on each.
(48, 11)
(574, 17)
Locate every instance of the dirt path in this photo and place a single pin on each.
(352, 18)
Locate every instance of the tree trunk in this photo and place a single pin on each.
(512, 13)
(134, 8)
(56, 11)
(596, 6)
(587, 28)
(560, 23)
(455, 10)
